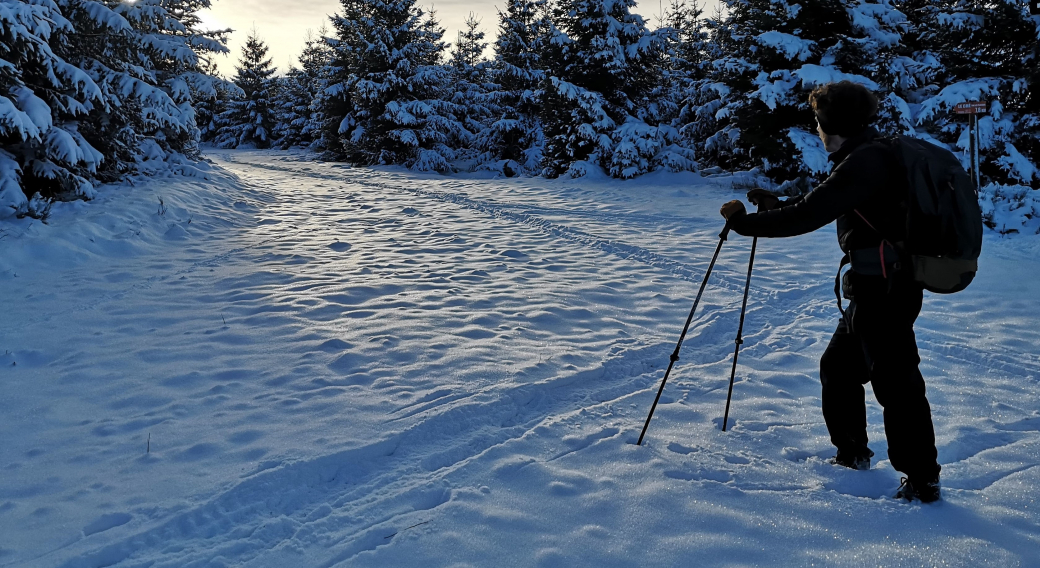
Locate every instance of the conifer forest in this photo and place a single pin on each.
(92, 91)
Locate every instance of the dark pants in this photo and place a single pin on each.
(875, 343)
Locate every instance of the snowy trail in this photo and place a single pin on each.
(367, 367)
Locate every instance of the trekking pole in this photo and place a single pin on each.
(675, 354)
(740, 331)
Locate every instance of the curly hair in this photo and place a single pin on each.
(844, 108)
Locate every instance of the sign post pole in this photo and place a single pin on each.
(973, 109)
(978, 162)
(971, 150)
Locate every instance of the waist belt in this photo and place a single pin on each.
(881, 261)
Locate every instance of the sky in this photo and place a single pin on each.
(283, 24)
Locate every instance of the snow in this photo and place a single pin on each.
(1011, 209)
(12, 198)
(952, 95)
(790, 46)
(811, 148)
(294, 363)
(873, 19)
(815, 75)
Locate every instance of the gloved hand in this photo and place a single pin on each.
(764, 199)
(733, 209)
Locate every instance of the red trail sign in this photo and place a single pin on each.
(971, 107)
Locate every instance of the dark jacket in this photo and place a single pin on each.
(866, 177)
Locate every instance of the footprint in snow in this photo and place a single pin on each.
(680, 449)
(410, 211)
(796, 455)
(729, 424)
(511, 253)
(340, 247)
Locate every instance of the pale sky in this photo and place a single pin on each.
(283, 24)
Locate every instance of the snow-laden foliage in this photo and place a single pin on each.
(471, 83)
(93, 90)
(770, 55)
(250, 119)
(209, 106)
(388, 95)
(298, 119)
(604, 68)
(983, 52)
(1011, 209)
(512, 142)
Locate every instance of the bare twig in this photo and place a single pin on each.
(404, 529)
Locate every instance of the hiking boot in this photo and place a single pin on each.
(923, 491)
(851, 461)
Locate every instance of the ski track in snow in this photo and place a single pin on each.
(367, 367)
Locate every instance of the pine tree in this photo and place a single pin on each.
(598, 107)
(41, 98)
(985, 51)
(250, 120)
(512, 142)
(385, 100)
(771, 54)
(293, 110)
(93, 91)
(300, 90)
(691, 92)
(470, 83)
(147, 57)
(209, 105)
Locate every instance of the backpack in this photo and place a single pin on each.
(944, 220)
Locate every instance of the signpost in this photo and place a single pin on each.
(973, 109)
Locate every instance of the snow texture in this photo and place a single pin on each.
(296, 363)
(790, 46)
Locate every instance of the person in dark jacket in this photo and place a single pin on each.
(866, 194)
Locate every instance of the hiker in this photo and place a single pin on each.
(874, 342)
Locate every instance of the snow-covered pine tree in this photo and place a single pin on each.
(293, 105)
(250, 120)
(889, 61)
(93, 90)
(42, 97)
(771, 54)
(512, 143)
(147, 57)
(688, 41)
(683, 78)
(300, 89)
(210, 105)
(470, 83)
(986, 51)
(385, 101)
(690, 52)
(597, 106)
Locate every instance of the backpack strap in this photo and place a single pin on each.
(881, 247)
(845, 260)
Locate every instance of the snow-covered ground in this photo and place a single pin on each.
(304, 364)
